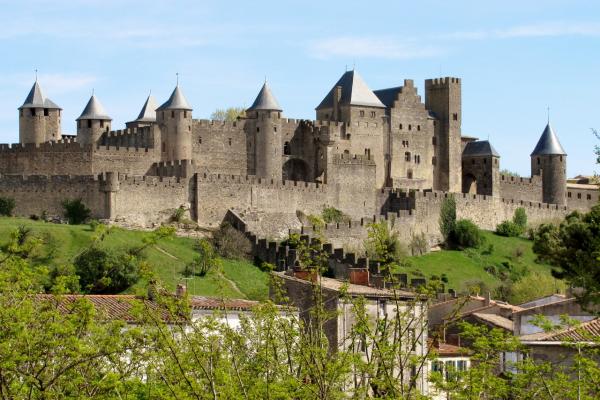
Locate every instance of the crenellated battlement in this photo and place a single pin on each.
(253, 180)
(44, 180)
(518, 180)
(65, 145)
(151, 180)
(442, 82)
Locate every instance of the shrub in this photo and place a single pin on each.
(333, 215)
(383, 245)
(178, 214)
(101, 271)
(206, 260)
(509, 229)
(520, 219)
(447, 217)
(419, 244)
(315, 221)
(466, 234)
(7, 206)
(75, 211)
(231, 243)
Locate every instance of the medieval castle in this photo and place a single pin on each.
(382, 154)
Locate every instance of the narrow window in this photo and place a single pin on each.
(569, 194)
(589, 196)
(473, 161)
(274, 129)
(579, 195)
(200, 140)
(433, 141)
(560, 158)
(409, 174)
(32, 112)
(46, 113)
(409, 127)
(257, 129)
(184, 113)
(418, 127)
(89, 123)
(230, 141)
(172, 114)
(538, 161)
(400, 126)
(407, 156)
(362, 113)
(101, 123)
(372, 114)
(163, 147)
(286, 149)
(485, 160)
(455, 116)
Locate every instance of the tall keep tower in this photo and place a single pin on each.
(549, 160)
(39, 118)
(265, 113)
(443, 97)
(175, 120)
(92, 123)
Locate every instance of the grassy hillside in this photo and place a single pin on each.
(464, 267)
(237, 279)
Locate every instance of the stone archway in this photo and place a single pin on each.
(295, 170)
(470, 184)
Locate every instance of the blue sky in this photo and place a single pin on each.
(516, 58)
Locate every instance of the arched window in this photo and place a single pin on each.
(407, 156)
(286, 149)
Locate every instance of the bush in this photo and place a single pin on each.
(75, 211)
(520, 219)
(101, 271)
(419, 244)
(7, 206)
(333, 215)
(447, 217)
(178, 214)
(508, 229)
(231, 243)
(466, 234)
(206, 260)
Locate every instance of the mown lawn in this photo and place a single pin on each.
(236, 278)
(462, 268)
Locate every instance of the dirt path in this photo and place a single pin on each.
(166, 253)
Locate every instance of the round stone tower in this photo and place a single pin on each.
(175, 121)
(266, 115)
(92, 123)
(39, 118)
(549, 160)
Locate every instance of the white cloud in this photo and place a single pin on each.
(372, 47)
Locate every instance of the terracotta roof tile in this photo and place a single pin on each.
(584, 332)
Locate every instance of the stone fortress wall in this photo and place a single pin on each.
(388, 156)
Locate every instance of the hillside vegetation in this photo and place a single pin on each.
(499, 257)
(167, 259)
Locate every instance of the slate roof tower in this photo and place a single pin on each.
(175, 120)
(549, 160)
(39, 118)
(92, 123)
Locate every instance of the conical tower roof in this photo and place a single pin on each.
(265, 100)
(148, 112)
(354, 92)
(36, 99)
(548, 144)
(94, 110)
(177, 101)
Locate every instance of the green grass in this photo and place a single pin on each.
(463, 266)
(236, 278)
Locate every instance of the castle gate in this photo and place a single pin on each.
(295, 169)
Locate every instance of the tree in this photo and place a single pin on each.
(447, 217)
(573, 247)
(520, 218)
(231, 243)
(103, 271)
(75, 211)
(229, 114)
(206, 260)
(466, 234)
(383, 245)
(508, 172)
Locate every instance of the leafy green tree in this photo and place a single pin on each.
(447, 217)
(520, 218)
(228, 114)
(573, 247)
(104, 271)
(7, 205)
(231, 243)
(75, 211)
(382, 244)
(206, 260)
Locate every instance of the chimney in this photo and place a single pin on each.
(181, 290)
(488, 299)
(359, 276)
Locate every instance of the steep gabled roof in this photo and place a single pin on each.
(177, 101)
(265, 100)
(36, 99)
(548, 144)
(148, 112)
(388, 96)
(354, 92)
(94, 110)
(480, 148)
